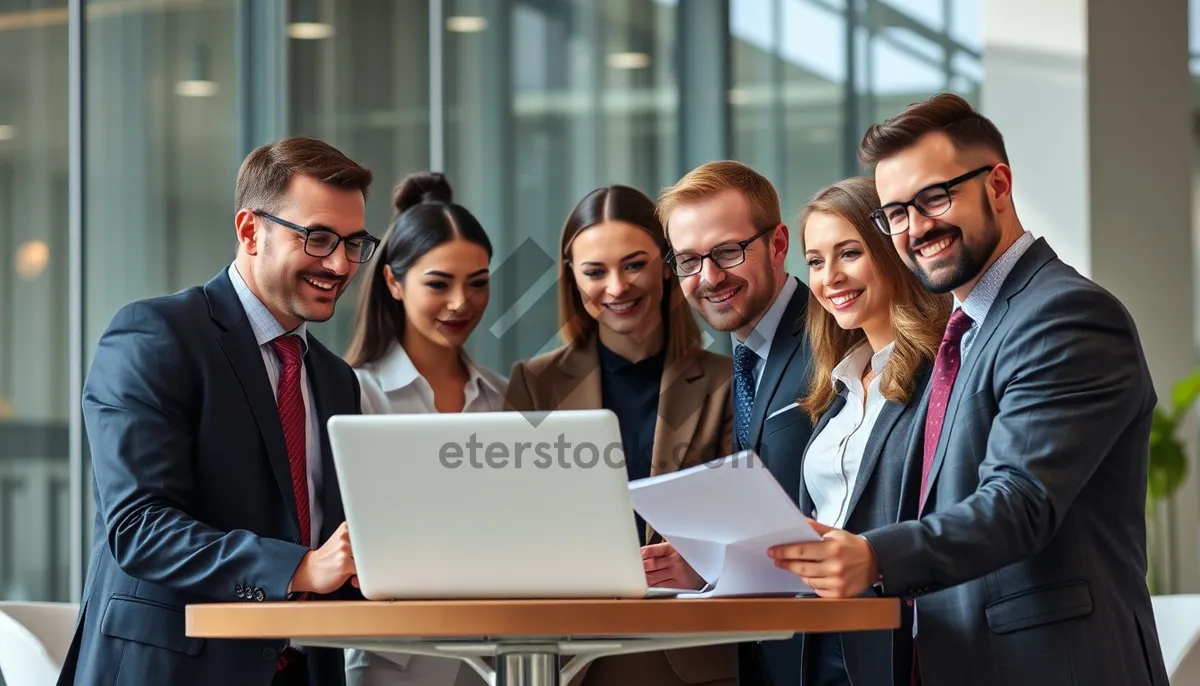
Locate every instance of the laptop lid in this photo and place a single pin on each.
(488, 505)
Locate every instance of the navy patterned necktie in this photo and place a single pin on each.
(744, 360)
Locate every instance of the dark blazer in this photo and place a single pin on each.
(1028, 564)
(694, 426)
(193, 492)
(777, 440)
(875, 502)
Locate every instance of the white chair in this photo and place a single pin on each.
(34, 638)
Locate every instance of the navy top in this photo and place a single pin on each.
(630, 390)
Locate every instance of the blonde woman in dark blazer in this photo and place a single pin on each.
(633, 347)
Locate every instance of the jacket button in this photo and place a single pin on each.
(238, 590)
(259, 595)
(269, 655)
(294, 539)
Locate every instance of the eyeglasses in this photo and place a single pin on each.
(725, 256)
(931, 201)
(321, 242)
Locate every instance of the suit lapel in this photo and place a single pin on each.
(237, 340)
(680, 401)
(330, 492)
(805, 499)
(888, 415)
(1035, 257)
(783, 347)
(910, 482)
(579, 388)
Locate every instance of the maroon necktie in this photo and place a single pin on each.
(292, 418)
(945, 370)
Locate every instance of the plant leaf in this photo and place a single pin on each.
(1183, 394)
(1168, 467)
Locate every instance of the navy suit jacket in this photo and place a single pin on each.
(193, 493)
(779, 438)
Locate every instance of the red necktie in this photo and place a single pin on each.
(292, 417)
(293, 420)
(945, 370)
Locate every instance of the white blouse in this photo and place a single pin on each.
(832, 461)
(392, 385)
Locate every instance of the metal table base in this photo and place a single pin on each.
(537, 661)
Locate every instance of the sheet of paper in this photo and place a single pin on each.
(722, 516)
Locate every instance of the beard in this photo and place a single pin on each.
(756, 297)
(966, 264)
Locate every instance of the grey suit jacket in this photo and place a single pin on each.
(1029, 559)
(876, 657)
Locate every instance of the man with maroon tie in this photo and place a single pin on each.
(1022, 545)
(205, 412)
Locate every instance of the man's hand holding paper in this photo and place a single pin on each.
(722, 517)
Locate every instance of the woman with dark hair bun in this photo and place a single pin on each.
(423, 295)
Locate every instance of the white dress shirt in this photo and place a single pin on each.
(760, 338)
(832, 461)
(392, 385)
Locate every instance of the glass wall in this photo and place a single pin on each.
(34, 387)
(526, 104)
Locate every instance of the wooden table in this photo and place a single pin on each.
(527, 637)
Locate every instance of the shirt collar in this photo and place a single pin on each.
(979, 300)
(265, 326)
(760, 338)
(850, 370)
(396, 371)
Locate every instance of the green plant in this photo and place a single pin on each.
(1168, 461)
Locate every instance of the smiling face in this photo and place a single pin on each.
(950, 251)
(294, 285)
(842, 275)
(730, 298)
(620, 274)
(444, 293)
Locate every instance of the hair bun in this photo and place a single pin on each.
(419, 187)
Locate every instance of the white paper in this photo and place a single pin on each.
(722, 516)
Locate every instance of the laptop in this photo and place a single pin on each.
(489, 505)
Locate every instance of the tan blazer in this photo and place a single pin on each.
(695, 425)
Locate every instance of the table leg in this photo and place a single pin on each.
(527, 665)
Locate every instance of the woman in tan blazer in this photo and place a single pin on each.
(632, 346)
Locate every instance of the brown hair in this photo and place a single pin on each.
(265, 174)
(945, 112)
(624, 204)
(918, 316)
(712, 178)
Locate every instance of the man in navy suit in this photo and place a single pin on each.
(728, 246)
(212, 473)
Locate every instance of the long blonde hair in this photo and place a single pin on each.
(918, 316)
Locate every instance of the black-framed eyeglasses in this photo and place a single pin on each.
(321, 242)
(931, 201)
(724, 255)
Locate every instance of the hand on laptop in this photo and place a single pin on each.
(666, 567)
(325, 569)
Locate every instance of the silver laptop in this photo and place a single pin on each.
(489, 505)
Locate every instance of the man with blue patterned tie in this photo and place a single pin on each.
(728, 246)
